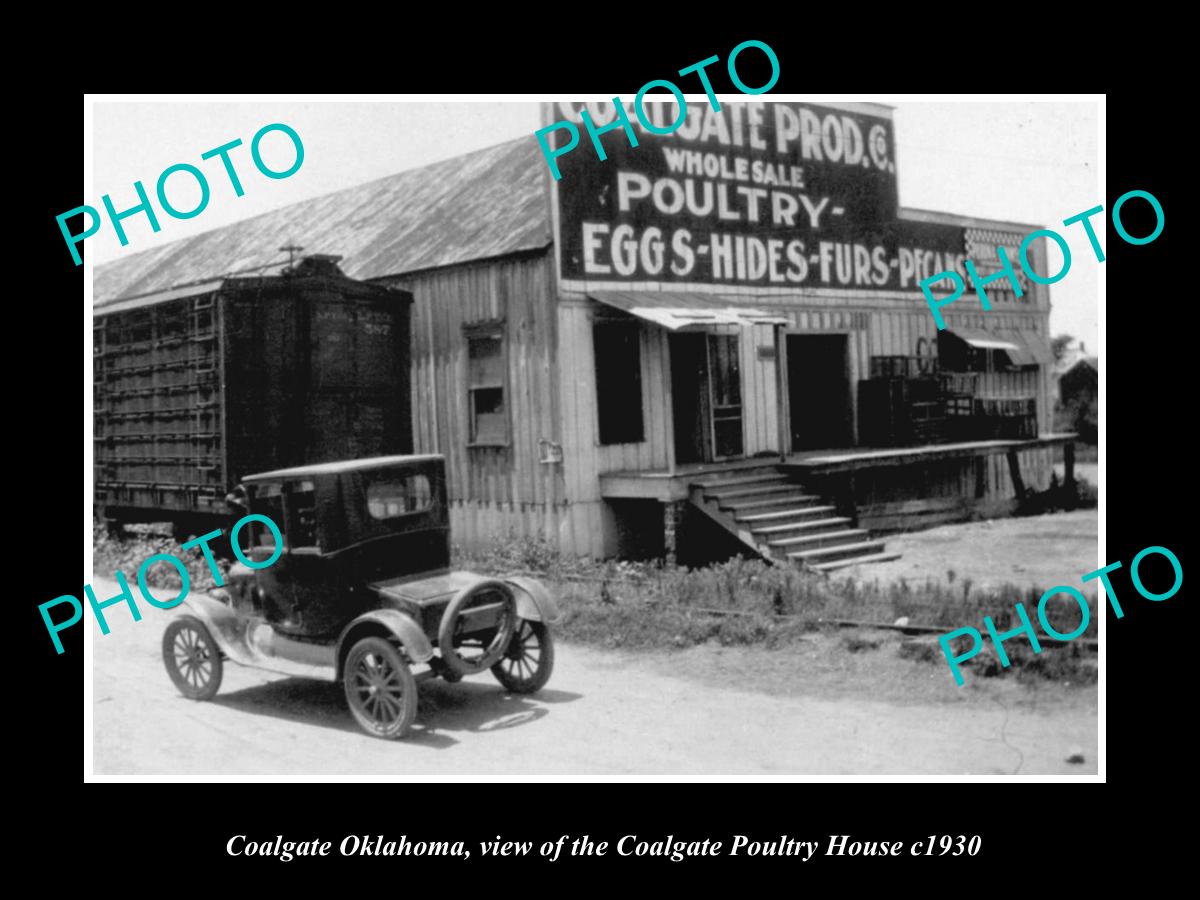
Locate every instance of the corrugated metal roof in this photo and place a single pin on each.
(680, 309)
(489, 203)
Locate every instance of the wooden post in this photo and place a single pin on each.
(780, 398)
(672, 511)
(1069, 465)
(668, 397)
(1014, 471)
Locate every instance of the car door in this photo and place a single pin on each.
(275, 583)
(308, 571)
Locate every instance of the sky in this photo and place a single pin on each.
(1025, 161)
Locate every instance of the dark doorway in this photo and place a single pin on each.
(819, 391)
(706, 391)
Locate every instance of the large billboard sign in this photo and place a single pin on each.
(760, 195)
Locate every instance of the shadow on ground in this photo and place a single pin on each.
(442, 708)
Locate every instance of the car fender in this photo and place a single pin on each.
(534, 601)
(226, 626)
(402, 627)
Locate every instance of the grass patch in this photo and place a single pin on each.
(749, 602)
(742, 602)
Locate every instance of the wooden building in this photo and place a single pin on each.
(624, 357)
(1078, 386)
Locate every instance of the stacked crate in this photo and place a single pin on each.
(908, 402)
(1006, 418)
(958, 391)
(901, 403)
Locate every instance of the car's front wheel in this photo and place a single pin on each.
(529, 659)
(380, 689)
(192, 658)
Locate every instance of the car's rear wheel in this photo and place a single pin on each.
(529, 659)
(192, 658)
(380, 689)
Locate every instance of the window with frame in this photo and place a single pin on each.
(394, 497)
(488, 426)
(301, 501)
(267, 501)
(618, 382)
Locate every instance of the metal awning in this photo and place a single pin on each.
(984, 340)
(1024, 347)
(678, 310)
(1033, 348)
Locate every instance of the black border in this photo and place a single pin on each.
(1146, 392)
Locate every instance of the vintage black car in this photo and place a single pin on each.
(361, 593)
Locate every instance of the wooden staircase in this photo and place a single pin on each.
(771, 513)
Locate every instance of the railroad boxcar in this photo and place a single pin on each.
(196, 386)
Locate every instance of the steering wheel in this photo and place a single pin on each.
(447, 631)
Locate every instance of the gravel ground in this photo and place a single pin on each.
(709, 710)
(1056, 548)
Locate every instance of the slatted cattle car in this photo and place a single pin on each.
(198, 385)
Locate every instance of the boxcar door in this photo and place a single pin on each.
(274, 583)
(314, 595)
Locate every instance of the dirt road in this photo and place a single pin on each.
(603, 714)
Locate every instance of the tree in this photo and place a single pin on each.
(1059, 344)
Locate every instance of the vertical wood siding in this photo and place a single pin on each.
(495, 492)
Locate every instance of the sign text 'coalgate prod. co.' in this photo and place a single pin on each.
(126, 595)
(748, 193)
(204, 192)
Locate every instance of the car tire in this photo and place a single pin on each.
(380, 688)
(529, 659)
(494, 652)
(192, 658)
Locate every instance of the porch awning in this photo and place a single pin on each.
(1024, 347)
(1033, 348)
(677, 310)
(984, 340)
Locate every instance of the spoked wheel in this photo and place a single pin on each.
(484, 595)
(380, 688)
(529, 659)
(192, 658)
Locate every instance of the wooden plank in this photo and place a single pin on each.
(580, 529)
(668, 402)
(569, 408)
(904, 456)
